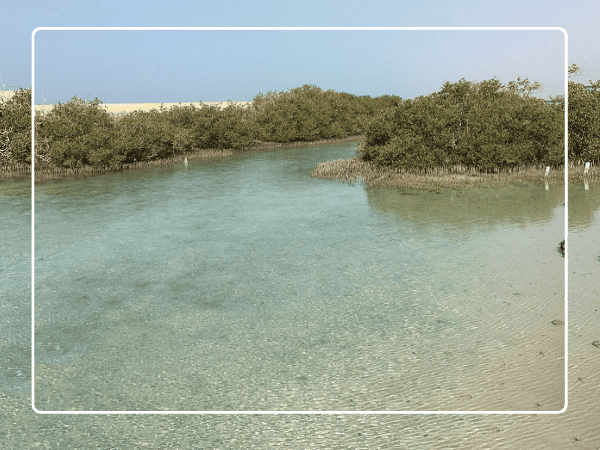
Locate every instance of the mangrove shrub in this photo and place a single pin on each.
(15, 128)
(309, 113)
(483, 125)
(584, 122)
(73, 132)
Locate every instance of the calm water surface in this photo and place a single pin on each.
(245, 284)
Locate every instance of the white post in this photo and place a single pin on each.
(586, 185)
(587, 167)
(547, 171)
(185, 161)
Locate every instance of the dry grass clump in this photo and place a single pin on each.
(577, 173)
(457, 177)
(14, 171)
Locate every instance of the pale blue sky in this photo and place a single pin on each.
(171, 66)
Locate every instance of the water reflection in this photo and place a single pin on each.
(511, 204)
(584, 204)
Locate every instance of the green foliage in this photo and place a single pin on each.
(80, 133)
(484, 125)
(216, 128)
(138, 136)
(160, 134)
(584, 122)
(73, 131)
(15, 128)
(308, 113)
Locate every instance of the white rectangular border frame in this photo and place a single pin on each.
(293, 29)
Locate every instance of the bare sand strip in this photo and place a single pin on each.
(118, 108)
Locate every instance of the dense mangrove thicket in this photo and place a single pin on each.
(15, 128)
(81, 133)
(308, 113)
(485, 125)
(584, 122)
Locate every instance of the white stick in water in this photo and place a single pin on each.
(547, 171)
(587, 167)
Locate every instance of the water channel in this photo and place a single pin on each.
(243, 284)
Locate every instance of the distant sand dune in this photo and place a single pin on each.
(117, 108)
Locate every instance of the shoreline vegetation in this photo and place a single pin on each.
(19, 172)
(356, 170)
(466, 134)
(80, 136)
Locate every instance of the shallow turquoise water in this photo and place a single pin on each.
(245, 284)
